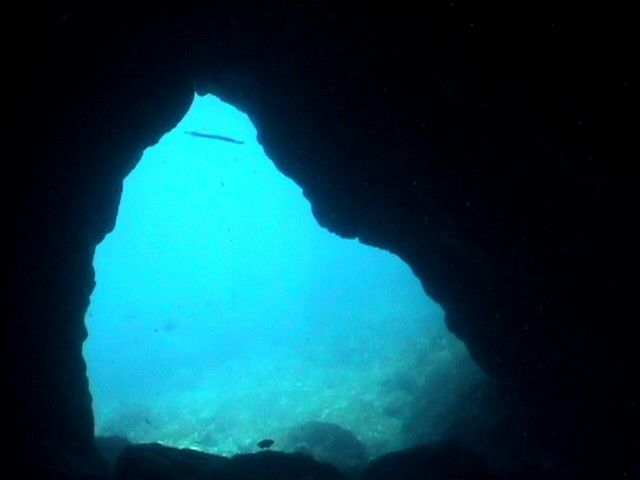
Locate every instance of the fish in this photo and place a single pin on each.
(212, 136)
(266, 443)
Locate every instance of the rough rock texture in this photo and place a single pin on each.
(327, 442)
(432, 462)
(281, 466)
(488, 145)
(154, 461)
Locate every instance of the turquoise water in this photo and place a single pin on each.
(223, 313)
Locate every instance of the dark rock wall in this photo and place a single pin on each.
(490, 146)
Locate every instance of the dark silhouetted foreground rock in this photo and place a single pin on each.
(111, 447)
(154, 461)
(444, 461)
(327, 442)
(270, 465)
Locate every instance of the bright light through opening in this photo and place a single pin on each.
(223, 314)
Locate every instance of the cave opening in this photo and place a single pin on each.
(224, 314)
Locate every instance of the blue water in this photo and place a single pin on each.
(224, 314)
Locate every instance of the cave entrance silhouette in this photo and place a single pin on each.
(224, 314)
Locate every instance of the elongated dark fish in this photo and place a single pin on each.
(211, 136)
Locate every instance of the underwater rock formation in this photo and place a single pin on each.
(445, 461)
(111, 447)
(327, 442)
(154, 461)
(279, 465)
(489, 144)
